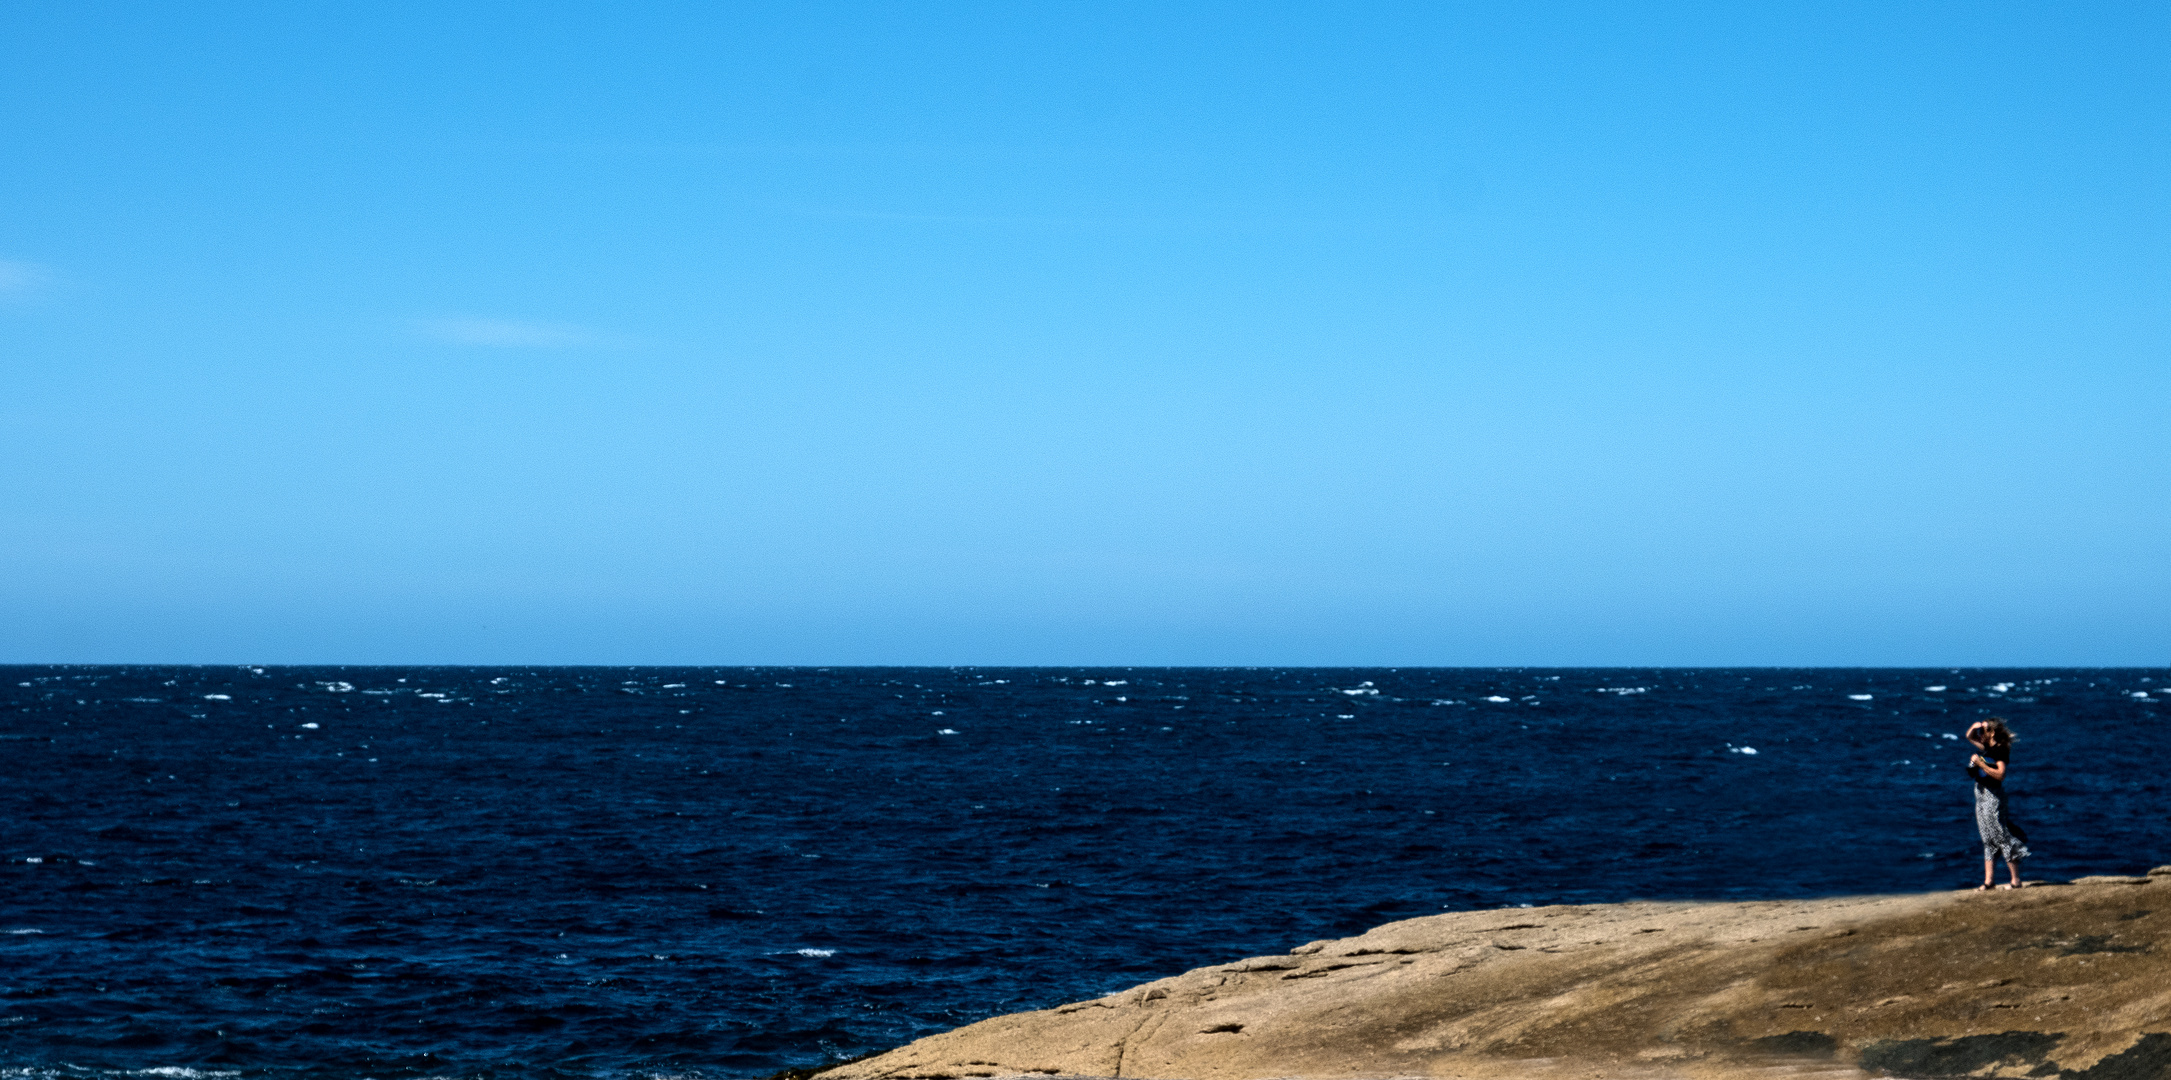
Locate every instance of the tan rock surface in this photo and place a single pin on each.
(2064, 981)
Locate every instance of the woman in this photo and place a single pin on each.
(1993, 743)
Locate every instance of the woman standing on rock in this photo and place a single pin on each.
(2001, 837)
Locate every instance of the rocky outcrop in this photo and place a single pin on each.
(2054, 981)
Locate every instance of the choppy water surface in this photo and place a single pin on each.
(377, 872)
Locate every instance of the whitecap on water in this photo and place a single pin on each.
(1935, 689)
(1497, 699)
(947, 731)
(816, 952)
(218, 697)
(1860, 697)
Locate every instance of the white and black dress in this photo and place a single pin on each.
(2002, 838)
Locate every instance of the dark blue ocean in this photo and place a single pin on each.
(726, 872)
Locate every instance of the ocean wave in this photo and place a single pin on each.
(540, 847)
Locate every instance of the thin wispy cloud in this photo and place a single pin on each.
(20, 280)
(1228, 223)
(794, 151)
(510, 333)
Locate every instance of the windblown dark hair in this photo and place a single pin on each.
(2000, 734)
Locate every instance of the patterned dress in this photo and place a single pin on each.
(2002, 838)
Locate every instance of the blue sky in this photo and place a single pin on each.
(1090, 333)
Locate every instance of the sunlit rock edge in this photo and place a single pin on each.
(2065, 981)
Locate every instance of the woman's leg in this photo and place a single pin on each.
(1990, 869)
(2012, 869)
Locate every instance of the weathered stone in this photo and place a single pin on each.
(2065, 983)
